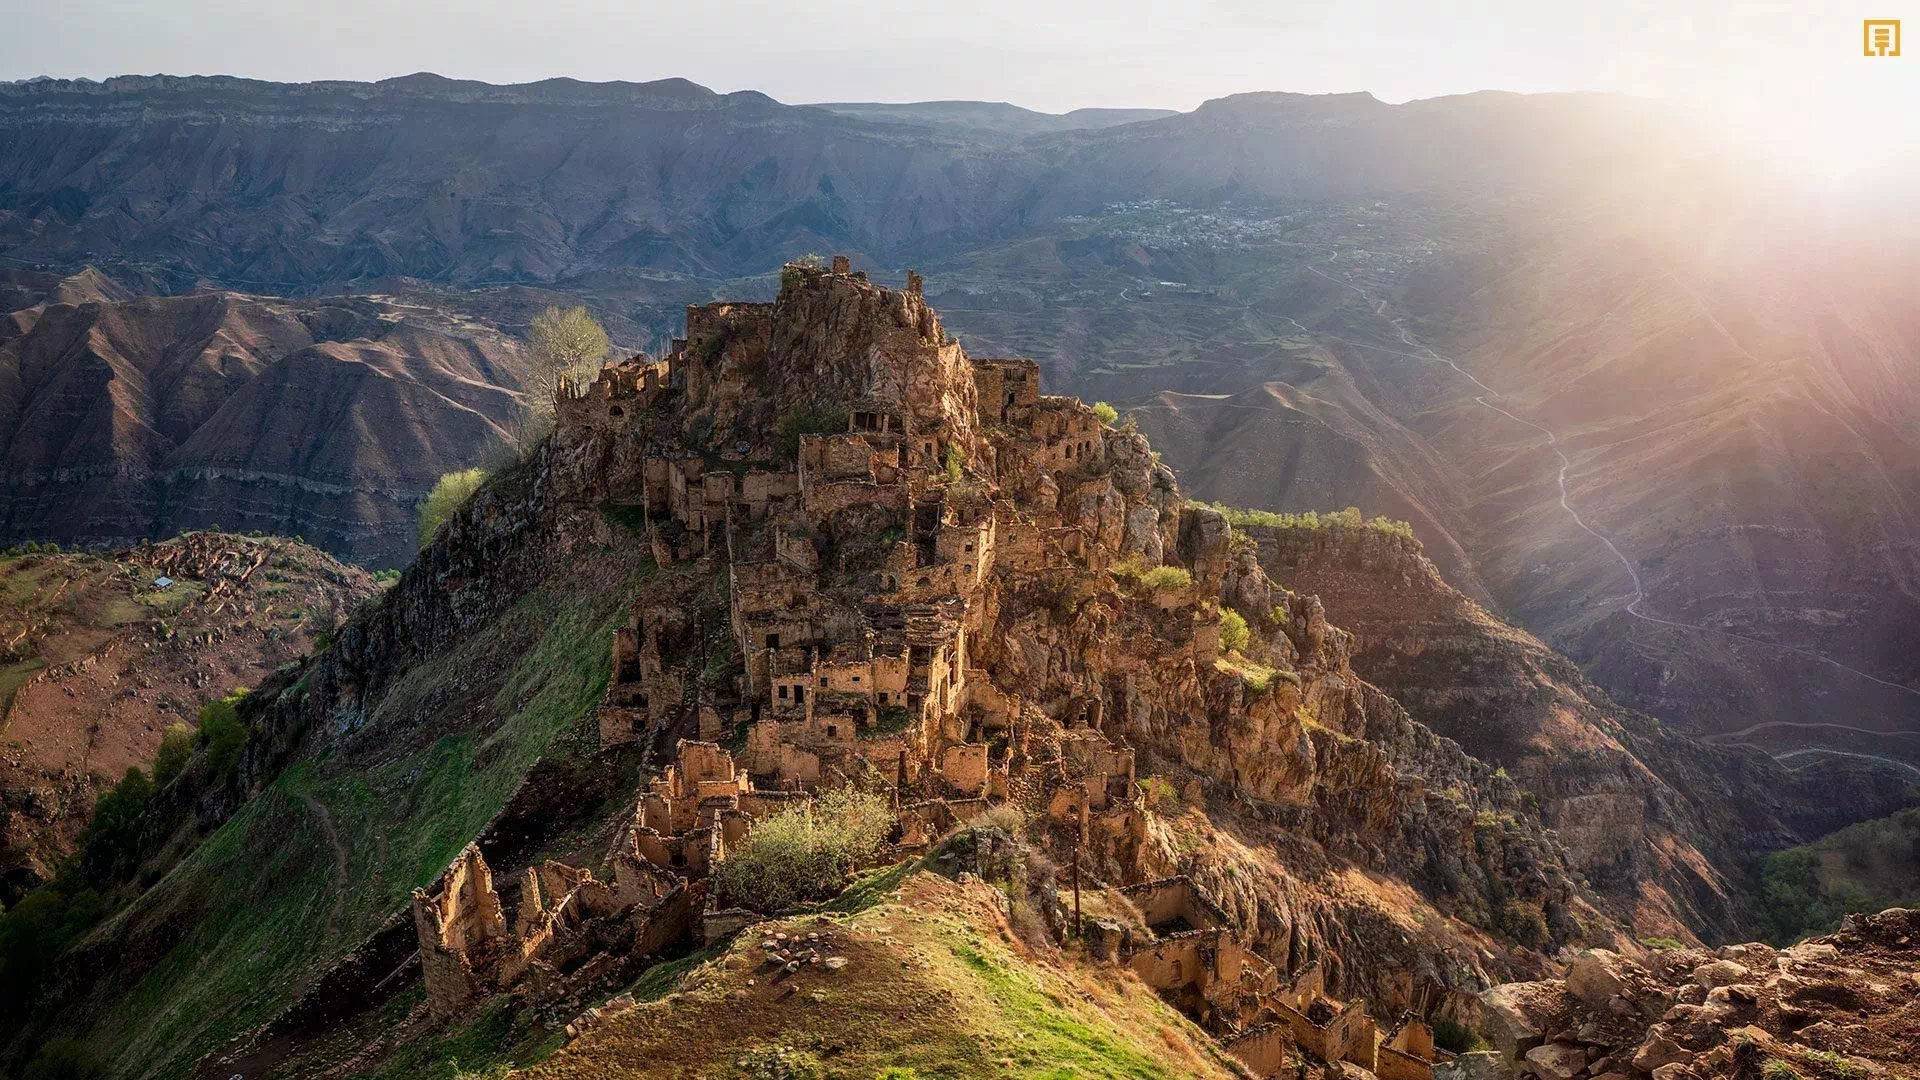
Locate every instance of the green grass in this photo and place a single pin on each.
(665, 978)
(500, 1036)
(1051, 1042)
(263, 897)
(14, 676)
(1350, 518)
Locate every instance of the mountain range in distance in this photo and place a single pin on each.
(1442, 311)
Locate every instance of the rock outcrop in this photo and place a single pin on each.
(1837, 1006)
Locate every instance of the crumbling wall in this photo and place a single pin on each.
(1174, 900)
(460, 926)
(1266, 1049)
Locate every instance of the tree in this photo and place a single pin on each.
(805, 852)
(1105, 413)
(110, 851)
(176, 749)
(566, 342)
(448, 494)
(223, 733)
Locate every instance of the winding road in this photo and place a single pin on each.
(1638, 597)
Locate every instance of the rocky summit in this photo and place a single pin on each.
(820, 699)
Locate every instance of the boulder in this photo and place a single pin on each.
(1478, 1065)
(1557, 1061)
(1659, 1049)
(1599, 974)
(1517, 1014)
(1722, 973)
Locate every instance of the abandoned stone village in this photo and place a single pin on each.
(899, 526)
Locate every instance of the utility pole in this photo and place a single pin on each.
(1078, 845)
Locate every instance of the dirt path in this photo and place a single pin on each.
(339, 850)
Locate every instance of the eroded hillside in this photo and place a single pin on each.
(105, 652)
(125, 418)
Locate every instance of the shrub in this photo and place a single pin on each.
(176, 749)
(1775, 1069)
(1166, 577)
(804, 853)
(1105, 413)
(223, 733)
(1457, 1037)
(448, 495)
(1662, 944)
(1233, 631)
(956, 463)
(35, 931)
(110, 850)
(793, 424)
(1523, 923)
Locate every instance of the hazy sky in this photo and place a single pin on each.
(1792, 65)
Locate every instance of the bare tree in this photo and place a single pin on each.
(565, 344)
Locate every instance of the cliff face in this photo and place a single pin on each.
(1659, 823)
(132, 418)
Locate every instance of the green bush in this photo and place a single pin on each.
(176, 749)
(804, 853)
(448, 494)
(35, 931)
(110, 851)
(1457, 1037)
(1166, 577)
(791, 425)
(956, 463)
(1105, 413)
(1233, 631)
(223, 733)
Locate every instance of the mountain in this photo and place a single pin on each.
(1664, 823)
(128, 418)
(281, 187)
(818, 575)
(997, 117)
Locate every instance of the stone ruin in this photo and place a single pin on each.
(567, 929)
(875, 498)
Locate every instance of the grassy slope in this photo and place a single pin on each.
(268, 903)
(936, 985)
